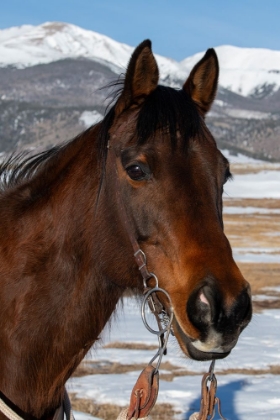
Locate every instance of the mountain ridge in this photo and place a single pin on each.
(247, 71)
(45, 104)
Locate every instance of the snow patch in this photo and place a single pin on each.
(264, 184)
(250, 210)
(243, 113)
(89, 118)
(240, 158)
(259, 257)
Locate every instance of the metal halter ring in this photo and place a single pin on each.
(170, 317)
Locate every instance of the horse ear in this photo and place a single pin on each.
(202, 82)
(141, 77)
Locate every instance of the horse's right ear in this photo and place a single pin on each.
(141, 77)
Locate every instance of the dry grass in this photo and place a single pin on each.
(253, 230)
(105, 368)
(256, 231)
(130, 346)
(111, 411)
(241, 169)
(167, 371)
(266, 203)
(104, 411)
(272, 370)
(261, 275)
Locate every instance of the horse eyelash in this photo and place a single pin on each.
(228, 175)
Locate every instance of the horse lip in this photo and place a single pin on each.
(187, 346)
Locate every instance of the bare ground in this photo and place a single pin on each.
(253, 168)
(160, 411)
(253, 230)
(257, 232)
(169, 371)
(260, 276)
(130, 346)
(267, 203)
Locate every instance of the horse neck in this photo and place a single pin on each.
(56, 298)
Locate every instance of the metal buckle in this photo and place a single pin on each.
(139, 251)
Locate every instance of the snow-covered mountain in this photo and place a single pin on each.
(29, 45)
(246, 71)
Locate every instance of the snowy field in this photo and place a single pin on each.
(264, 184)
(255, 397)
(245, 395)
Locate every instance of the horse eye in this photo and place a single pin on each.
(136, 173)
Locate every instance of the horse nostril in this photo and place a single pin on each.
(200, 308)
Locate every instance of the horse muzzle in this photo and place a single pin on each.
(217, 325)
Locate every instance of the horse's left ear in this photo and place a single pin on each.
(141, 77)
(202, 82)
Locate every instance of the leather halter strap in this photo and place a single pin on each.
(139, 255)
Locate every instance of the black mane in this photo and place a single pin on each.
(172, 109)
(165, 108)
(22, 166)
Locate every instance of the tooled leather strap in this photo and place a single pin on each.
(208, 399)
(144, 394)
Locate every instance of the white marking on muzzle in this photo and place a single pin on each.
(211, 345)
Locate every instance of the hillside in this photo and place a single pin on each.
(51, 75)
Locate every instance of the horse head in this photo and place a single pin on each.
(170, 176)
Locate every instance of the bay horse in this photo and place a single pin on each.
(65, 254)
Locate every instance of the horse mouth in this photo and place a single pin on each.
(187, 346)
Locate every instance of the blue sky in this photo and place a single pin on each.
(177, 28)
